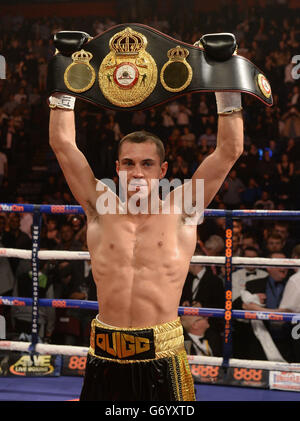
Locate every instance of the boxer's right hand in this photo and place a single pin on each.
(62, 101)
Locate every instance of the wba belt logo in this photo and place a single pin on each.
(128, 345)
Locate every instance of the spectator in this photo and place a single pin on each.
(241, 276)
(250, 195)
(183, 116)
(3, 167)
(202, 286)
(21, 95)
(138, 120)
(22, 316)
(42, 74)
(264, 202)
(199, 339)
(180, 169)
(282, 228)
(77, 223)
(18, 238)
(6, 274)
(232, 189)
(285, 173)
(167, 122)
(237, 244)
(291, 150)
(52, 229)
(67, 238)
(273, 244)
(214, 245)
(250, 240)
(188, 136)
(186, 151)
(258, 339)
(291, 123)
(209, 138)
(267, 166)
(290, 302)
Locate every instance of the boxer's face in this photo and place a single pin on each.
(141, 163)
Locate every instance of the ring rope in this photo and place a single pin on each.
(182, 311)
(208, 213)
(50, 349)
(204, 260)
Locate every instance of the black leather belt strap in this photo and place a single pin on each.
(133, 67)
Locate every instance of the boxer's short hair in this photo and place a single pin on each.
(141, 137)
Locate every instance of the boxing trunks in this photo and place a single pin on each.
(144, 364)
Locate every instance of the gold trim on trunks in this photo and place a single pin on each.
(176, 74)
(128, 74)
(168, 340)
(181, 377)
(80, 76)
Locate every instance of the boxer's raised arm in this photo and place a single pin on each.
(214, 169)
(72, 161)
(230, 142)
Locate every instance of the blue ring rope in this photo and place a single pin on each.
(182, 311)
(208, 213)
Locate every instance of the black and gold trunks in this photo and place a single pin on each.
(144, 364)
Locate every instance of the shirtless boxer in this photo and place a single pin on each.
(140, 261)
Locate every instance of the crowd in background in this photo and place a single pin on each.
(265, 177)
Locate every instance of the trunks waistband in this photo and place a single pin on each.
(127, 345)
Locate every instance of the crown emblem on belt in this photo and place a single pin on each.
(82, 56)
(128, 74)
(80, 76)
(128, 42)
(178, 53)
(176, 74)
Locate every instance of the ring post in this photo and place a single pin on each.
(36, 234)
(227, 344)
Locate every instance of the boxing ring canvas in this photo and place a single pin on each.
(68, 388)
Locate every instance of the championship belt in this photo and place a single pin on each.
(134, 67)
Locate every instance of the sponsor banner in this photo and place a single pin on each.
(11, 208)
(207, 373)
(284, 380)
(248, 377)
(26, 365)
(73, 365)
(233, 376)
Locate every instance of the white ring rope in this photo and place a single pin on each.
(205, 260)
(44, 348)
(50, 349)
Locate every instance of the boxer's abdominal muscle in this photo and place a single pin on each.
(139, 267)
